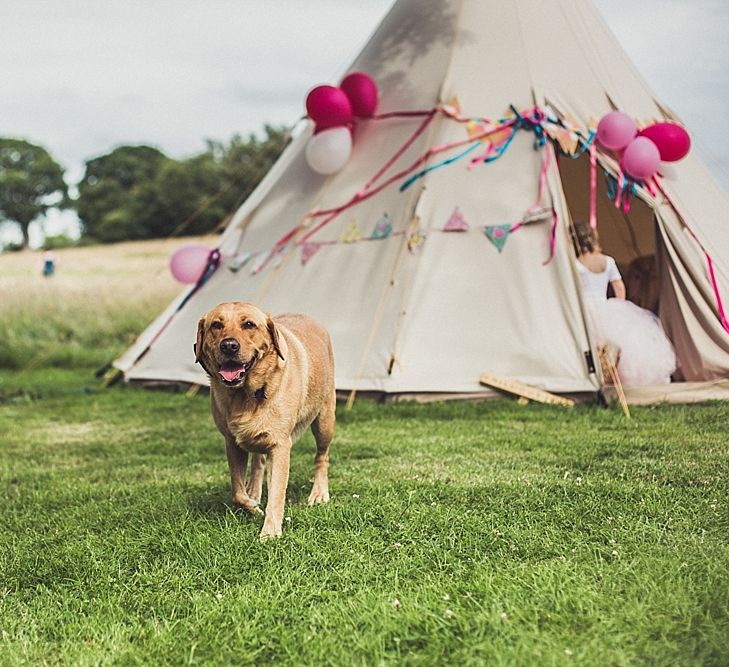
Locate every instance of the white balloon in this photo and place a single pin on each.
(328, 151)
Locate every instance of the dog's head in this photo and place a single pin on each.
(234, 339)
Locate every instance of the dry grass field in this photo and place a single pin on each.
(99, 300)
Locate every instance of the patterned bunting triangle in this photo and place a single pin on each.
(456, 223)
(383, 228)
(497, 234)
(308, 250)
(350, 234)
(415, 240)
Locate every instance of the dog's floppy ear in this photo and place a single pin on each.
(199, 340)
(273, 331)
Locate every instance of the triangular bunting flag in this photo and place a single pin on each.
(453, 107)
(536, 214)
(351, 233)
(497, 234)
(456, 223)
(308, 250)
(415, 240)
(383, 228)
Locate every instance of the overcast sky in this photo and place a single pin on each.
(82, 76)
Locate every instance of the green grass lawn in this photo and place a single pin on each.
(457, 534)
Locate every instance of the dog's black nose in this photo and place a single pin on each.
(229, 346)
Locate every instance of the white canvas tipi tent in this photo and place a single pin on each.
(416, 309)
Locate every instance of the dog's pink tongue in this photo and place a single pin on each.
(232, 374)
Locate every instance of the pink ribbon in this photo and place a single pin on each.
(619, 188)
(593, 186)
(552, 238)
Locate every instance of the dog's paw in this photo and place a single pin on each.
(248, 505)
(269, 534)
(318, 496)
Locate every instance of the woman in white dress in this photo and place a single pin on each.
(646, 354)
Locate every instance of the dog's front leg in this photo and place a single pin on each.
(237, 463)
(255, 482)
(278, 480)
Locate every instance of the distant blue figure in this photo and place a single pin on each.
(49, 264)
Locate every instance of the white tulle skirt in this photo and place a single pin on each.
(646, 354)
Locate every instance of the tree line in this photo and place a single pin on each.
(137, 192)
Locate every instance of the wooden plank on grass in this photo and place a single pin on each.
(524, 390)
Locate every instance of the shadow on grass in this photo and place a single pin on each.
(218, 502)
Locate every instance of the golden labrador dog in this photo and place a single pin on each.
(270, 379)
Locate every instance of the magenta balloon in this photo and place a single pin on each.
(188, 263)
(361, 90)
(672, 140)
(616, 130)
(641, 159)
(328, 106)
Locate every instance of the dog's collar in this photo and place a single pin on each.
(260, 394)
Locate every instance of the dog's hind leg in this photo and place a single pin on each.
(254, 487)
(323, 429)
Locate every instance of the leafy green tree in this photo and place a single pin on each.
(136, 192)
(108, 203)
(243, 163)
(31, 182)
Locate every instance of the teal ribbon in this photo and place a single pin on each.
(585, 146)
(612, 186)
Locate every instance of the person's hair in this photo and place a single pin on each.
(586, 238)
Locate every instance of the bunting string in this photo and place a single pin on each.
(533, 119)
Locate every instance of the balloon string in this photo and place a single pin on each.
(709, 261)
(445, 110)
(398, 153)
(620, 188)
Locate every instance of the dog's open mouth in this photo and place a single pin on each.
(234, 372)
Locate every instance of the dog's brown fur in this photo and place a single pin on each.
(288, 387)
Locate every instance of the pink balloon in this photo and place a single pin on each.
(188, 263)
(361, 90)
(616, 130)
(672, 140)
(328, 106)
(641, 159)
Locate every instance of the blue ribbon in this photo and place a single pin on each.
(522, 123)
(427, 170)
(612, 186)
(585, 146)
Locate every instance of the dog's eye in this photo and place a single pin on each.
(249, 325)
(216, 325)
